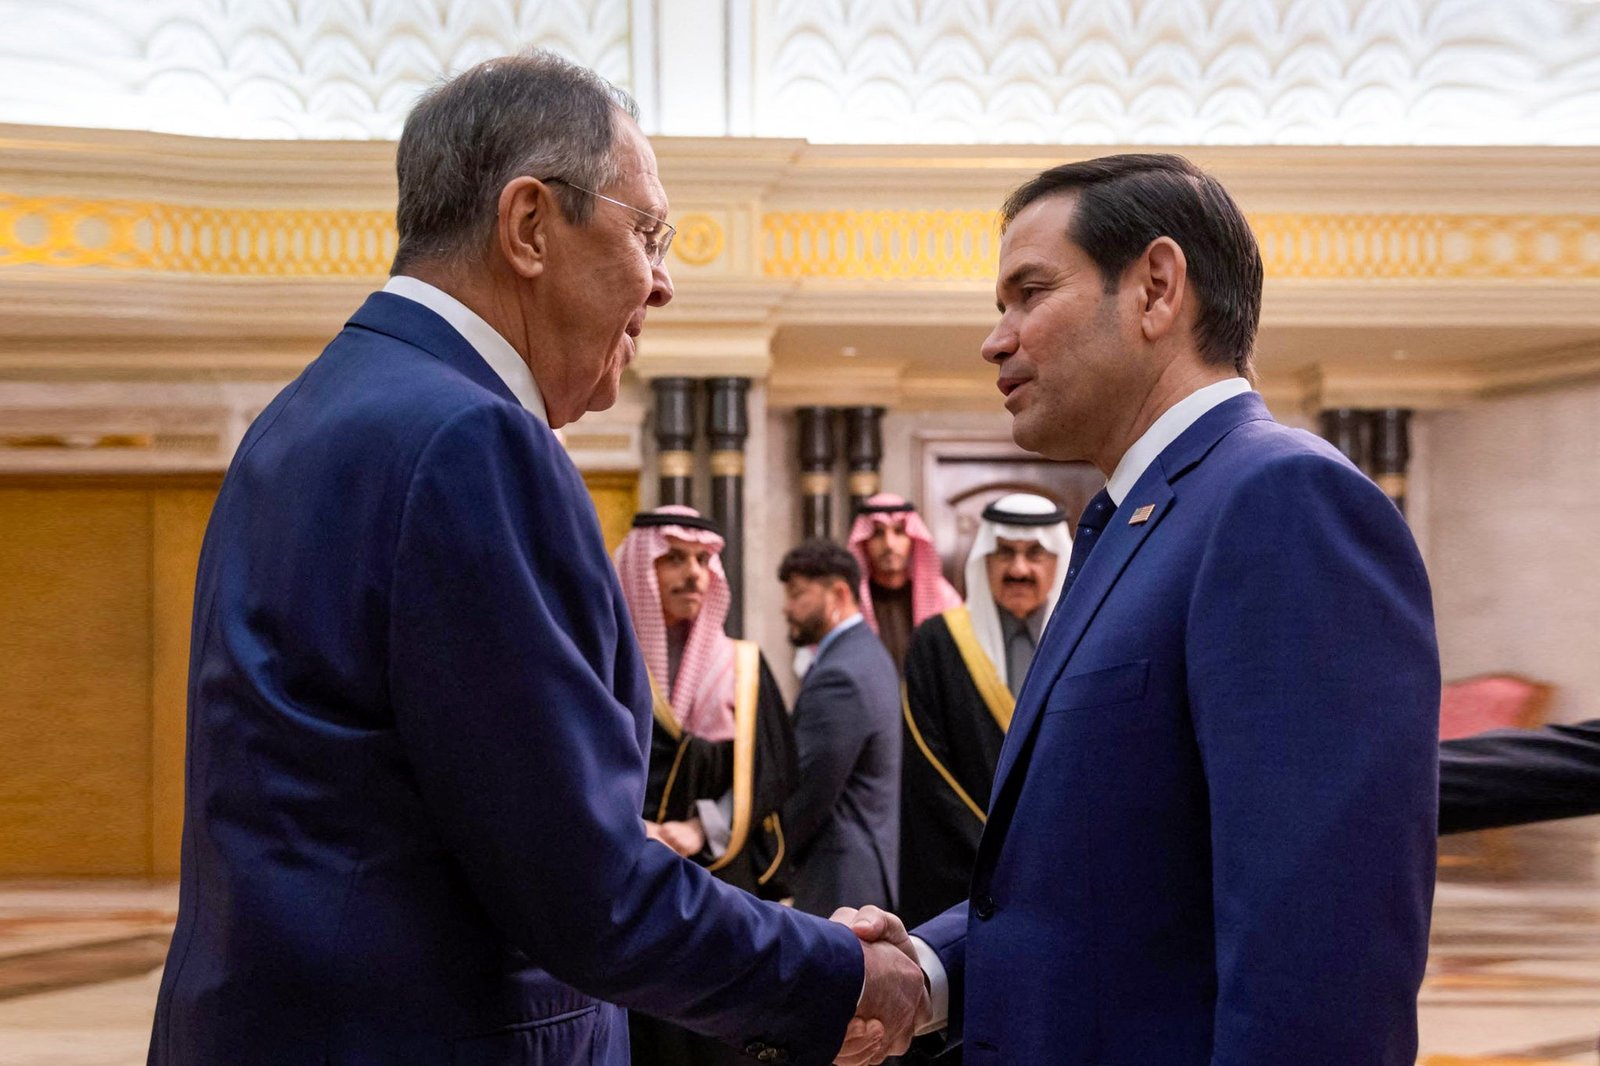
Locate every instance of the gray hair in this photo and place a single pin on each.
(533, 114)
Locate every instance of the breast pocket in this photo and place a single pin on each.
(1105, 687)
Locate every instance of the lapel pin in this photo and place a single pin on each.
(1142, 515)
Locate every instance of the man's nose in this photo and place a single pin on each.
(661, 289)
(1000, 343)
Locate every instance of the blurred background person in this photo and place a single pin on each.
(901, 585)
(843, 822)
(963, 671)
(722, 755)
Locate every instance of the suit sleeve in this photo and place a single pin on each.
(1515, 776)
(1314, 689)
(830, 731)
(505, 649)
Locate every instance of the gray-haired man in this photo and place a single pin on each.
(418, 715)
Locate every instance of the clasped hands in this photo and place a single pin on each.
(894, 1000)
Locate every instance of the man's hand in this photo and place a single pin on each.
(894, 1001)
(686, 838)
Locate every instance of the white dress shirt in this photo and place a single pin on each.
(1135, 461)
(493, 348)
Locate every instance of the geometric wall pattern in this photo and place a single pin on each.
(852, 245)
(1355, 72)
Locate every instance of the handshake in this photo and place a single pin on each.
(894, 998)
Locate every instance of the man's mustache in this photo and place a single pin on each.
(1029, 581)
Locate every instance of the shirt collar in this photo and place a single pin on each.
(849, 623)
(1010, 624)
(493, 348)
(1166, 429)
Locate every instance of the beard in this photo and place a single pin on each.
(804, 632)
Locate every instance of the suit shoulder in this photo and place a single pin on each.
(1264, 454)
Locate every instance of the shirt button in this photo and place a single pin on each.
(984, 905)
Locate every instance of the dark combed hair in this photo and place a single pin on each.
(1126, 201)
(533, 114)
(819, 560)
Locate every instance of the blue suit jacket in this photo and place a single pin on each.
(843, 821)
(418, 724)
(1211, 836)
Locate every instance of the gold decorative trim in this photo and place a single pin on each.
(816, 484)
(964, 246)
(152, 236)
(727, 464)
(1393, 485)
(886, 245)
(746, 708)
(700, 239)
(864, 483)
(675, 464)
(985, 674)
(186, 239)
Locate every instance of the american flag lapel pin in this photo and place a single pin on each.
(1142, 515)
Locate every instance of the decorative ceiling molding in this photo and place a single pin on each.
(275, 68)
(1180, 72)
(1394, 72)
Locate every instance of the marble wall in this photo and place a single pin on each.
(1512, 515)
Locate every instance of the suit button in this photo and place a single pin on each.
(984, 905)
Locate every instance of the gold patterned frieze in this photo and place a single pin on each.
(964, 246)
(884, 245)
(880, 245)
(187, 239)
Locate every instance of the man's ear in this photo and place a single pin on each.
(523, 219)
(1163, 277)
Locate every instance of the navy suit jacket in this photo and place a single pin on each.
(1211, 836)
(418, 726)
(843, 822)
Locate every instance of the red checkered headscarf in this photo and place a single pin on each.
(702, 695)
(931, 594)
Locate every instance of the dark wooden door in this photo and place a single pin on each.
(958, 476)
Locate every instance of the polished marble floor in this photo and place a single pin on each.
(1514, 976)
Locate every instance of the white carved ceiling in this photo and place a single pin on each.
(889, 71)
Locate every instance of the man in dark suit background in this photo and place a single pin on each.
(418, 715)
(843, 822)
(1211, 835)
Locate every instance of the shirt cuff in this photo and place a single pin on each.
(938, 988)
(716, 819)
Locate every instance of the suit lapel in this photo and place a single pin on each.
(1117, 547)
(1118, 544)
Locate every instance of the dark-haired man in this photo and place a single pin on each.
(418, 714)
(843, 822)
(1211, 835)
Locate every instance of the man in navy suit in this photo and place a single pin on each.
(419, 719)
(1211, 836)
(843, 822)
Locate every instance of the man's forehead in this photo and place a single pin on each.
(1017, 545)
(689, 546)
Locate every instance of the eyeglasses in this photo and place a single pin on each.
(656, 242)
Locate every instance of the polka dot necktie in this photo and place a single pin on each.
(1095, 517)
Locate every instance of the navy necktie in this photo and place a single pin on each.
(1095, 517)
